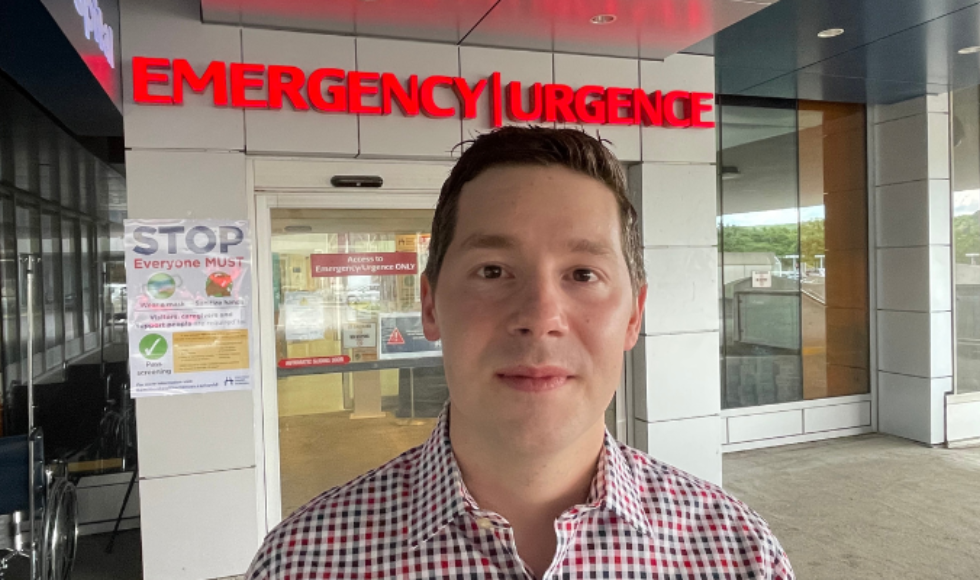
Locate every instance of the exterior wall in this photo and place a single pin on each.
(914, 277)
(202, 480)
(677, 414)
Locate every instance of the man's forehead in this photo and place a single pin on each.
(585, 245)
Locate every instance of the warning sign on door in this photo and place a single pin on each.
(396, 337)
(401, 336)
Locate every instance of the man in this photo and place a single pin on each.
(535, 285)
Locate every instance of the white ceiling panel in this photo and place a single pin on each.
(652, 29)
(433, 20)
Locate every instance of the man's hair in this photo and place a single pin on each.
(544, 147)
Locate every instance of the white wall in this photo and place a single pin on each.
(675, 189)
(914, 304)
(201, 477)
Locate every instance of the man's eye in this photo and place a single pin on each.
(491, 272)
(582, 275)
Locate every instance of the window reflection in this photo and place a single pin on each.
(793, 242)
(966, 236)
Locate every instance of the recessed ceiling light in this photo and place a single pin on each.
(830, 32)
(603, 19)
(969, 50)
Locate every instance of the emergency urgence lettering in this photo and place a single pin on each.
(161, 81)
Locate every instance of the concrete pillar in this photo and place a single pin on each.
(677, 384)
(913, 290)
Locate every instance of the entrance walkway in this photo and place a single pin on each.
(867, 507)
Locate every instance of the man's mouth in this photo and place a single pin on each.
(534, 379)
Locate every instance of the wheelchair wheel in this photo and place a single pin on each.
(59, 531)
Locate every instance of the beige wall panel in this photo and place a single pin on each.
(396, 135)
(577, 71)
(172, 29)
(288, 130)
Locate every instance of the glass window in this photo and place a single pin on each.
(760, 254)
(54, 328)
(68, 171)
(966, 236)
(834, 249)
(26, 168)
(9, 293)
(87, 270)
(29, 243)
(794, 251)
(6, 136)
(48, 162)
(72, 287)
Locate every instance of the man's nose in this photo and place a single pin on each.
(540, 309)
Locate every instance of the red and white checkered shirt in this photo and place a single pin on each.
(413, 518)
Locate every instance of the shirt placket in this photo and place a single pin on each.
(497, 530)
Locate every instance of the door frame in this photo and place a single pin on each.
(304, 183)
(298, 183)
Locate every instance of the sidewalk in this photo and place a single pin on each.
(867, 507)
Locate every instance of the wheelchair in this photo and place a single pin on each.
(48, 540)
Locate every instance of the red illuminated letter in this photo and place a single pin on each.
(214, 74)
(558, 103)
(516, 111)
(338, 93)
(698, 108)
(142, 78)
(468, 96)
(239, 82)
(669, 110)
(356, 89)
(429, 106)
(648, 109)
(408, 101)
(616, 101)
(278, 87)
(593, 111)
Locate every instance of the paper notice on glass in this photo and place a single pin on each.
(302, 315)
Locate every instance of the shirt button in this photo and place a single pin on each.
(484, 523)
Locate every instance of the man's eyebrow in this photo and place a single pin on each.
(487, 242)
(593, 247)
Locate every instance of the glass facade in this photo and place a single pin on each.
(965, 153)
(53, 206)
(793, 240)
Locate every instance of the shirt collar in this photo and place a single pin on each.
(439, 495)
(437, 486)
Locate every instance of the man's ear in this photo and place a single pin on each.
(430, 326)
(636, 319)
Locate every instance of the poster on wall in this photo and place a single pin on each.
(189, 291)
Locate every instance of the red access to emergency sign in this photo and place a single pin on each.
(161, 81)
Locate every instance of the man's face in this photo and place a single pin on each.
(534, 306)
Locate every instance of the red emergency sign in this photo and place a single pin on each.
(368, 264)
(161, 81)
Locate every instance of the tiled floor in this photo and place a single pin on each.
(867, 508)
(322, 451)
(862, 508)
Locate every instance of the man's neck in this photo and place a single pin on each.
(530, 490)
